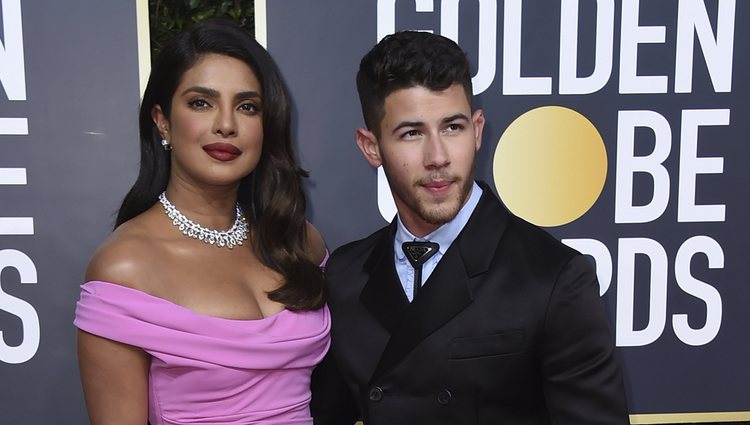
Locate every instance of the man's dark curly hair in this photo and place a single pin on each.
(408, 59)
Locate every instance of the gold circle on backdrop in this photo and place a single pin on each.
(550, 165)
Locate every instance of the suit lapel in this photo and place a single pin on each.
(383, 295)
(443, 296)
(481, 236)
(448, 290)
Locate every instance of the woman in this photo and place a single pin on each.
(206, 304)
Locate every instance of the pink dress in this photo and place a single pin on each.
(208, 370)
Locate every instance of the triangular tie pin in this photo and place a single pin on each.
(418, 253)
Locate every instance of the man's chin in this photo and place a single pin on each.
(441, 213)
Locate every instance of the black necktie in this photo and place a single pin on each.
(418, 253)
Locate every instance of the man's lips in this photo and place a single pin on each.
(222, 151)
(437, 187)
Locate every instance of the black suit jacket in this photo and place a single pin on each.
(508, 329)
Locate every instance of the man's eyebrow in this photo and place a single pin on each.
(403, 124)
(454, 117)
(458, 116)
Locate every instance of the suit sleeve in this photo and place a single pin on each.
(583, 381)
(332, 402)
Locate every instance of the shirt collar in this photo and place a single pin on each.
(445, 234)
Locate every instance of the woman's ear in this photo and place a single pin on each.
(161, 121)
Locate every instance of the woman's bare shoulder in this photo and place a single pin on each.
(126, 257)
(316, 247)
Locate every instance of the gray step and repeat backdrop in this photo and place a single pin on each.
(620, 126)
(69, 93)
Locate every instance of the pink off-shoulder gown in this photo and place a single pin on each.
(209, 370)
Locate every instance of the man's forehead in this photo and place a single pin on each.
(423, 102)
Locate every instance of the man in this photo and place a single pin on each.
(507, 326)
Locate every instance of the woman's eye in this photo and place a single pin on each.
(249, 107)
(199, 104)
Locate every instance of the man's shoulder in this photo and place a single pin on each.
(523, 234)
(538, 236)
(356, 247)
(356, 251)
(539, 250)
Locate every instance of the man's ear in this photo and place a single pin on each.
(161, 121)
(477, 120)
(369, 146)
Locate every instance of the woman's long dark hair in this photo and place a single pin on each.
(271, 195)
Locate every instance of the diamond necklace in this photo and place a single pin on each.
(227, 238)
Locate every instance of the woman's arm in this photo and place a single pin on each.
(115, 375)
(115, 380)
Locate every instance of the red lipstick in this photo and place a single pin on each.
(222, 151)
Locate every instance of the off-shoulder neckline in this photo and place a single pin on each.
(181, 307)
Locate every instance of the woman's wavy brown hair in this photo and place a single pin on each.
(271, 195)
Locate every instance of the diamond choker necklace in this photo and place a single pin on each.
(228, 238)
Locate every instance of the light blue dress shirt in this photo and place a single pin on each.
(443, 236)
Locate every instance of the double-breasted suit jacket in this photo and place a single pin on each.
(508, 329)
